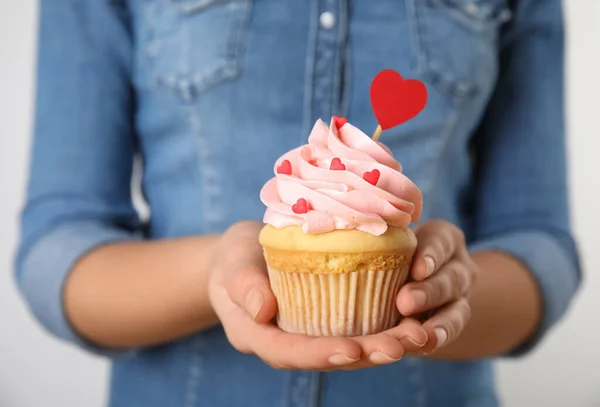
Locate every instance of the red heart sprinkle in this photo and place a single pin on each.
(372, 176)
(396, 100)
(336, 164)
(300, 207)
(339, 121)
(285, 168)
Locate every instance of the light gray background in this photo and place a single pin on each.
(36, 370)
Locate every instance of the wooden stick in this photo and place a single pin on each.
(377, 133)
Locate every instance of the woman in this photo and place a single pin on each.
(209, 94)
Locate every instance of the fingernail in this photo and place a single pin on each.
(419, 299)
(254, 303)
(411, 340)
(430, 265)
(380, 358)
(340, 360)
(441, 336)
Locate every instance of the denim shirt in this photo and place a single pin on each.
(209, 93)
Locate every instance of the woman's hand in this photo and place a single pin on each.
(442, 274)
(240, 294)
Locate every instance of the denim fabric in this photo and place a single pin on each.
(209, 93)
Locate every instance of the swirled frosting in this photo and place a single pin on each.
(309, 191)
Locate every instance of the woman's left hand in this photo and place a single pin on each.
(442, 275)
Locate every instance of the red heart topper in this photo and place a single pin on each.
(396, 100)
(285, 168)
(372, 176)
(336, 164)
(301, 206)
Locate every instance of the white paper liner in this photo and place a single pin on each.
(346, 304)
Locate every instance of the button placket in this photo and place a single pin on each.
(326, 70)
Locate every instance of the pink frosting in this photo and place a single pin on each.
(341, 199)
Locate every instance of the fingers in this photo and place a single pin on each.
(442, 276)
(410, 334)
(282, 350)
(380, 349)
(293, 351)
(447, 324)
(389, 346)
(438, 243)
(277, 348)
(450, 283)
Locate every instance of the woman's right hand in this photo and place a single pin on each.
(241, 296)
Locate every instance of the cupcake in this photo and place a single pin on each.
(336, 238)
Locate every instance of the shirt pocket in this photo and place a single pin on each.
(457, 43)
(194, 45)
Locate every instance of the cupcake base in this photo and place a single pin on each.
(342, 304)
(339, 283)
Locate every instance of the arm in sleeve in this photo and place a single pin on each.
(79, 191)
(521, 200)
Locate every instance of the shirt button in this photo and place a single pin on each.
(327, 20)
(472, 9)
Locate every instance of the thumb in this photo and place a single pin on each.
(248, 287)
(243, 272)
